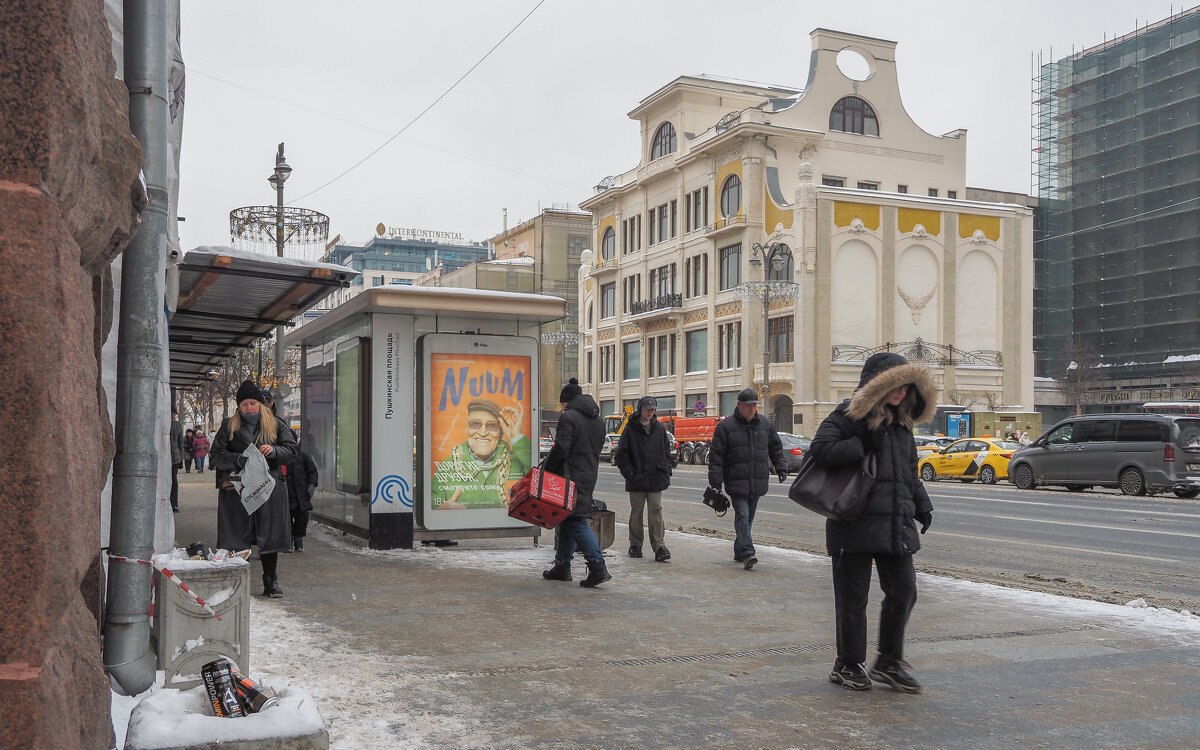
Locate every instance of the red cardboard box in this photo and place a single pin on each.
(542, 499)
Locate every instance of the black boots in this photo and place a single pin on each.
(298, 543)
(560, 572)
(597, 574)
(271, 587)
(662, 554)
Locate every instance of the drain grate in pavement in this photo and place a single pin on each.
(777, 651)
(809, 648)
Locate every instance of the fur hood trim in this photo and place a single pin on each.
(878, 388)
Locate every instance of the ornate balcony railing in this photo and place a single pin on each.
(941, 355)
(665, 302)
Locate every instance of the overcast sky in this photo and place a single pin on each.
(543, 118)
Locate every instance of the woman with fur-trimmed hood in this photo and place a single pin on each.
(891, 397)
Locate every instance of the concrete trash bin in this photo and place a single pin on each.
(187, 636)
(604, 526)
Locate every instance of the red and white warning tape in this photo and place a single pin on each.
(170, 576)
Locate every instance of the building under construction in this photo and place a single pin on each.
(1117, 239)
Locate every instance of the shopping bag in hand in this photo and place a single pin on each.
(255, 484)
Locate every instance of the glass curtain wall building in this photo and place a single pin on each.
(1117, 234)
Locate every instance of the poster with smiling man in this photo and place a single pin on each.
(479, 408)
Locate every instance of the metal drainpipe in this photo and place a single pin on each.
(127, 653)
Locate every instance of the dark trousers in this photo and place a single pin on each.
(175, 486)
(744, 509)
(187, 464)
(299, 522)
(852, 583)
(575, 533)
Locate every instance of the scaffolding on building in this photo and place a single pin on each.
(1116, 167)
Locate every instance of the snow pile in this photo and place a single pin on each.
(170, 718)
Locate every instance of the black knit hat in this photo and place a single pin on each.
(877, 363)
(250, 389)
(569, 391)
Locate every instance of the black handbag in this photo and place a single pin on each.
(837, 492)
(716, 500)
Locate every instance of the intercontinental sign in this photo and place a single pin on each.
(416, 234)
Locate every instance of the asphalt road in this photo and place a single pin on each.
(1096, 545)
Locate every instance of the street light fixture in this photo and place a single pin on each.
(564, 338)
(282, 172)
(774, 256)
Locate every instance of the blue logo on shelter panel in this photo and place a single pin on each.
(393, 489)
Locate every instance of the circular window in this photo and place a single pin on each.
(853, 65)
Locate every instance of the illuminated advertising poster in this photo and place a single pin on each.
(478, 417)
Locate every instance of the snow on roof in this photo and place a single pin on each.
(524, 260)
(248, 255)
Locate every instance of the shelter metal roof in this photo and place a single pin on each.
(454, 302)
(229, 298)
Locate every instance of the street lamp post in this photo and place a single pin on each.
(775, 257)
(280, 175)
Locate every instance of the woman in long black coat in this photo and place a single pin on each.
(268, 527)
(892, 396)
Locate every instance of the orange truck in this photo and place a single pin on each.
(693, 435)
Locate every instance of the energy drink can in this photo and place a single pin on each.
(222, 694)
(255, 695)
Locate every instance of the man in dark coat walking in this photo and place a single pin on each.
(301, 476)
(891, 397)
(177, 450)
(643, 455)
(745, 449)
(576, 456)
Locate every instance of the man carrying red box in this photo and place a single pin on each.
(576, 456)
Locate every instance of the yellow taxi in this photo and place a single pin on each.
(985, 459)
(930, 444)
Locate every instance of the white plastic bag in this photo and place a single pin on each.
(255, 484)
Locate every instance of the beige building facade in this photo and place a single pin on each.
(876, 240)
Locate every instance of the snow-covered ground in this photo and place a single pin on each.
(299, 657)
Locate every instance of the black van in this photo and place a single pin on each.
(1138, 453)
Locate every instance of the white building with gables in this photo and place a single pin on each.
(807, 229)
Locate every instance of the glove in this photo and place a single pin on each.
(925, 519)
(782, 474)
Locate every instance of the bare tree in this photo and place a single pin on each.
(965, 399)
(200, 404)
(1082, 375)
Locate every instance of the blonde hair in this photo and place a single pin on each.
(267, 430)
(883, 413)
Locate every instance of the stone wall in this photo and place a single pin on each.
(68, 202)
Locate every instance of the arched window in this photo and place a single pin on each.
(853, 115)
(608, 245)
(731, 196)
(786, 270)
(664, 141)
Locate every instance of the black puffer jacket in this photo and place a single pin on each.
(576, 452)
(302, 480)
(886, 526)
(644, 456)
(744, 454)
